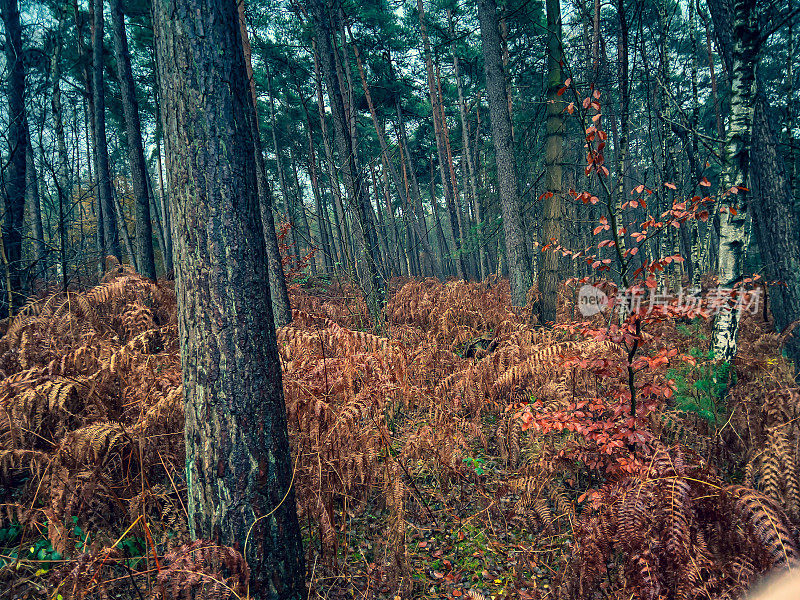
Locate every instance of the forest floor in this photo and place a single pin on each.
(468, 453)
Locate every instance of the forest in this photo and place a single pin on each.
(492, 300)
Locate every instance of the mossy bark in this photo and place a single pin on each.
(238, 463)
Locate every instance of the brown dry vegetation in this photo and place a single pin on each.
(417, 470)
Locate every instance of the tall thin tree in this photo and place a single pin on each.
(145, 260)
(553, 156)
(102, 169)
(281, 309)
(371, 281)
(516, 249)
(18, 140)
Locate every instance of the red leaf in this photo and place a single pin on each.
(705, 182)
(568, 82)
(671, 186)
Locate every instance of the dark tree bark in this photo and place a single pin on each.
(18, 140)
(145, 259)
(389, 223)
(516, 250)
(110, 230)
(238, 463)
(158, 226)
(300, 215)
(281, 308)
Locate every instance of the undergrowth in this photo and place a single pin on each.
(465, 454)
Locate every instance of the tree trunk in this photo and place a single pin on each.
(734, 194)
(169, 267)
(287, 203)
(337, 252)
(163, 207)
(774, 223)
(431, 263)
(281, 307)
(300, 213)
(444, 252)
(61, 174)
(18, 141)
(158, 226)
(238, 463)
(441, 149)
(110, 230)
(327, 255)
(516, 250)
(456, 207)
(119, 216)
(34, 205)
(387, 222)
(145, 259)
(371, 282)
(554, 155)
(89, 128)
(413, 219)
(791, 143)
(467, 152)
(342, 234)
